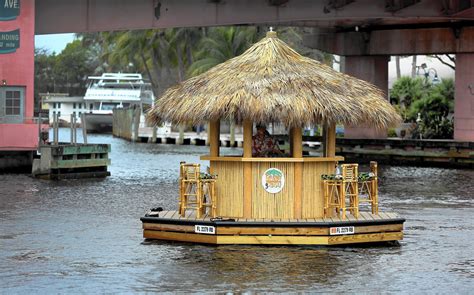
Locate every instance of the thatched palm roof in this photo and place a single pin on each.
(271, 82)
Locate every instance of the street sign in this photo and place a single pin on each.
(9, 9)
(9, 41)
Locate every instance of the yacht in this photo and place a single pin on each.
(112, 91)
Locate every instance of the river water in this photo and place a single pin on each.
(85, 236)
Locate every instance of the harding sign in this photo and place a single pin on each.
(9, 9)
(9, 41)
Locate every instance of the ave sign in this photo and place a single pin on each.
(9, 9)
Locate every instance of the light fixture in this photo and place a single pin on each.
(4, 82)
(435, 80)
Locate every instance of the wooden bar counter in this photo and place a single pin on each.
(300, 198)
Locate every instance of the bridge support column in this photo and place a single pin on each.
(464, 97)
(373, 69)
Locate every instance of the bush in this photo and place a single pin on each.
(435, 109)
(391, 133)
(434, 103)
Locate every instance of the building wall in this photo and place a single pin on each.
(66, 110)
(17, 70)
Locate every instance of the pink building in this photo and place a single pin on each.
(18, 130)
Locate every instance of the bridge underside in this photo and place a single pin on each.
(366, 32)
(58, 16)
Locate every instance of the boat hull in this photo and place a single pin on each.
(99, 123)
(368, 228)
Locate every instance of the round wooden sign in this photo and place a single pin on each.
(273, 180)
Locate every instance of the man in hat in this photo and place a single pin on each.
(263, 144)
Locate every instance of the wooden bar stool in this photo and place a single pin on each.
(181, 186)
(350, 185)
(368, 192)
(375, 188)
(208, 188)
(197, 191)
(190, 189)
(333, 198)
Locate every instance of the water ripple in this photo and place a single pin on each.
(84, 236)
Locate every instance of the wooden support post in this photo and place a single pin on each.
(248, 128)
(214, 135)
(232, 134)
(75, 129)
(297, 142)
(330, 144)
(55, 129)
(72, 128)
(153, 134)
(180, 139)
(297, 148)
(324, 135)
(40, 121)
(84, 127)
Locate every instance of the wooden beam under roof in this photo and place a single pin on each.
(397, 5)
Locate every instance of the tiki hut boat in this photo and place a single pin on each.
(275, 200)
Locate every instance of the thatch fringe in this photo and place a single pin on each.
(271, 82)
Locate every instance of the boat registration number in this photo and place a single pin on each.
(205, 229)
(342, 230)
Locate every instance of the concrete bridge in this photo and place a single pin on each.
(365, 32)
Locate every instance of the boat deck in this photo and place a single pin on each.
(169, 225)
(363, 216)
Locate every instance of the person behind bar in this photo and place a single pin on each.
(264, 145)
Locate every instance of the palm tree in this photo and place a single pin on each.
(136, 47)
(178, 53)
(221, 44)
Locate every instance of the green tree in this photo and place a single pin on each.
(404, 92)
(221, 44)
(436, 110)
(72, 68)
(44, 71)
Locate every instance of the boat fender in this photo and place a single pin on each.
(154, 212)
(219, 218)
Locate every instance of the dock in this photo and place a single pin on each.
(65, 161)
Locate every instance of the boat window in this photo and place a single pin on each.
(108, 106)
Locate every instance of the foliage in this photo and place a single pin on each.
(221, 44)
(405, 91)
(44, 66)
(391, 132)
(63, 73)
(270, 82)
(435, 109)
(164, 56)
(72, 68)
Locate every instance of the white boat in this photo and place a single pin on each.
(114, 90)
